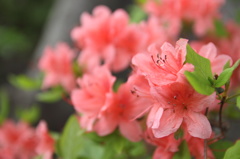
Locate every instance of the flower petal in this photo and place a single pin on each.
(131, 130)
(169, 123)
(198, 125)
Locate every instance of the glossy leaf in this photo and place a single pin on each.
(201, 77)
(225, 76)
(74, 145)
(233, 152)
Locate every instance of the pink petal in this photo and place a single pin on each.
(169, 123)
(131, 130)
(106, 124)
(208, 51)
(198, 125)
(154, 117)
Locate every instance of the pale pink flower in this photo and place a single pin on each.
(45, 145)
(201, 12)
(166, 146)
(178, 103)
(93, 97)
(108, 37)
(163, 64)
(57, 66)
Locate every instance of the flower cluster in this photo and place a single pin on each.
(156, 102)
(19, 140)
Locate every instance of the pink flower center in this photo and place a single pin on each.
(164, 65)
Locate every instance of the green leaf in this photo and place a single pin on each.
(30, 115)
(78, 71)
(232, 112)
(233, 152)
(183, 152)
(227, 65)
(25, 83)
(179, 134)
(140, 1)
(201, 77)
(50, 96)
(4, 106)
(136, 13)
(238, 102)
(117, 84)
(74, 145)
(219, 147)
(225, 76)
(220, 29)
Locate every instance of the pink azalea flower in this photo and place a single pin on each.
(45, 146)
(163, 64)
(108, 36)
(23, 142)
(103, 110)
(166, 146)
(18, 139)
(56, 64)
(93, 97)
(130, 107)
(201, 13)
(178, 103)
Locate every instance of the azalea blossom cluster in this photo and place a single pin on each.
(19, 140)
(156, 102)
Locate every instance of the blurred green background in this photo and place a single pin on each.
(21, 25)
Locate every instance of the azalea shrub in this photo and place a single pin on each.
(158, 81)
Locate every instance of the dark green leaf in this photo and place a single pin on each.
(178, 134)
(183, 152)
(218, 148)
(232, 112)
(238, 102)
(4, 106)
(233, 152)
(201, 78)
(220, 29)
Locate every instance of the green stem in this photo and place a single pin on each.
(233, 96)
